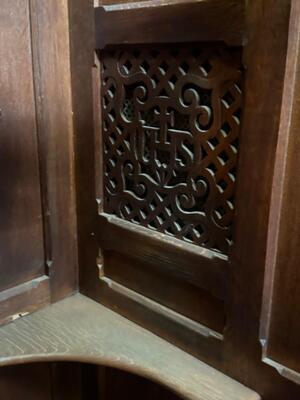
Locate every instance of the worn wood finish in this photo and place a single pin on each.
(133, 23)
(163, 321)
(79, 329)
(21, 234)
(280, 324)
(24, 298)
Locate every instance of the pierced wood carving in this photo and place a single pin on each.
(171, 119)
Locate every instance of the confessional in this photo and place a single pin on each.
(150, 202)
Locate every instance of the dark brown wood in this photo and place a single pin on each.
(21, 234)
(26, 382)
(24, 298)
(43, 381)
(50, 37)
(171, 120)
(67, 381)
(146, 278)
(280, 325)
(256, 162)
(38, 261)
(79, 329)
(120, 384)
(239, 354)
(166, 253)
(179, 21)
(81, 17)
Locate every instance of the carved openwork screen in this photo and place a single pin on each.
(171, 119)
(171, 116)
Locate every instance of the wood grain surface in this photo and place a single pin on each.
(79, 329)
(138, 22)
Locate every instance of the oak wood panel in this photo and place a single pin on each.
(280, 324)
(50, 37)
(79, 329)
(21, 234)
(133, 23)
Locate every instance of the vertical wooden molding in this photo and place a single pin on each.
(51, 52)
(81, 14)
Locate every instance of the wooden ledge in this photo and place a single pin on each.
(79, 329)
(178, 21)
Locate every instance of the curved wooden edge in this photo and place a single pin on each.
(79, 329)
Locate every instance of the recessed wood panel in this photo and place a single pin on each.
(186, 298)
(171, 117)
(21, 233)
(280, 325)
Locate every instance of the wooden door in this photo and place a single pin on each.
(37, 204)
(174, 227)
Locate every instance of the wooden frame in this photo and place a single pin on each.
(210, 20)
(239, 352)
(280, 347)
(54, 136)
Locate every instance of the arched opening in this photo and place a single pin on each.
(76, 381)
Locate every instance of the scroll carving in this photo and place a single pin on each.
(171, 119)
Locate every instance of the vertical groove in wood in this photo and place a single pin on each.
(42, 150)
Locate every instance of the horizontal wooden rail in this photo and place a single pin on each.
(79, 329)
(178, 21)
(202, 267)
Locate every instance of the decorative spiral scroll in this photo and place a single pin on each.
(171, 119)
